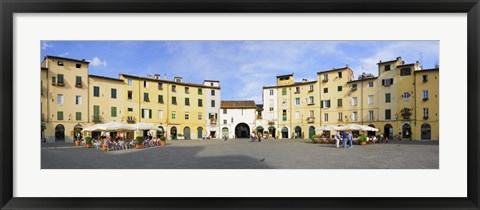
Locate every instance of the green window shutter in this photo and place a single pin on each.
(199, 90)
(321, 104)
(60, 78)
(96, 110)
(78, 116)
(114, 111)
(78, 80)
(143, 115)
(59, 115)
(339, 88)
(339, 102)
(200, 102)
(284, 91)
(150, 113)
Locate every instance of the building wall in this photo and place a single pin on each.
(212, 113)
(302, 118)
(432, 85)
(233, 117)
(69, 90)
(105, 101)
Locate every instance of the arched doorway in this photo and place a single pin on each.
(173, 132)
(160, 131)
(59, 133)
(225, 132)
(426, 131)
(371, 133)
(242, 131)
(298, 132)
(388, 131)
(186, 132)
(284, 133)
(199, 132)
(272, 130)
(406, 131)
(77, 131)
(311, 131)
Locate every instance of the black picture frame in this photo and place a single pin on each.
(10, 7)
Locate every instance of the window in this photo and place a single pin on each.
(59, 115)
(297, 89)
(187, 102)
(60, 99)
(325, 104)
(96, 112)
(200, 102)
(284, 115)
(160, 86)
(387, 67)
(339, 102)
(387, 82)
(78, 100)
(174, 88)
(425, 78)
(387, 98)
(311, 88)
(60, 63)
(114, 93)
(325, 77)
(354, 101)
(370, 99)
(145, 84)
(388, 114)
(187, 116)
(212, 103)
(312, 113)
(113, 111)
(78, 65)
(405, 72)
(130, 82)
(224, 122)
(212, 92)
(224, 111)
(340, 116)
(325, 90)
(96, 91)
(271, 92)
(297, 101)
(425, 113)
(297, 115)
(325, 117)
(78, 80)
(60, 78)
(54, 81)
(145, 97)
(271, 109)
(425, 95)
(200, 91)
(78, 116)
(160, 114)
(406, 96)
(199, 116)
(354, 86)
(284, 91)
(370, 84)
(174, 115)
(187, 90)
(174, 100)
(312, 101)
(211, 83)
(339, 74)
(146, 114)
(130, 95)
(160, 99)
(370, 115)
(130, 109)
(354, 116)
(339, 88)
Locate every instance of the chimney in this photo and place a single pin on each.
(156, 76)
(346, 65)
(165, 76)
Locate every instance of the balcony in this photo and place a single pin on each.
(311, 119)
(259, 117)
(78, 85)
(425, 99)
(425, 117)
(96, 119)
(61, 84)
(271, 122)
(340, 120)
(324, 80)
(213, 121)
(130, 119)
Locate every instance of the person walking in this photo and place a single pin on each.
(259, 137)
(350, 138)
(345, 138)
(337, 138)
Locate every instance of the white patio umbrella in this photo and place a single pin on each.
(144, 126)
(351, 127)
(368, 128)
(327, 128)
(114, 126)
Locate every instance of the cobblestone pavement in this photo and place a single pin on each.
(243, 154)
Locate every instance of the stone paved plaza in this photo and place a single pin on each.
(243, 154)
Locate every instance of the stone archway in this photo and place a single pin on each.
(77, 131)
(225, 132)
(426, 131)
(160, 131)
(60, 133)
(186, 132)
(200, 132)
(272, 130)
(284, 133)
(311, 131)
(388, 131)
(242, 131)
(298, 132)
(406, 131)
(173, 132)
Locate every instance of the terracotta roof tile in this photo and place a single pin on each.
(238, 105)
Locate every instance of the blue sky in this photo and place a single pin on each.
(243, 67)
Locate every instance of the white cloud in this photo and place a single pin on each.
(45, 45)
(98, 62)
(64, 54)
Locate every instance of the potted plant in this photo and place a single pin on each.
(180, 136)
(88, 142)
(314, 139)
(362, 140)
(139, 142)
(162, 141)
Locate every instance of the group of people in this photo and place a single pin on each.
(256, 137)
(344, 136)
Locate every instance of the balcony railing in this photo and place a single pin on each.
(60, 84)
(311, 119)
(271, 122)
(425, 99)
(324, 80)
(425, 117)
(78, 85)
(130, 119)
(213, 121)
(96, 118)
(259, 117)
